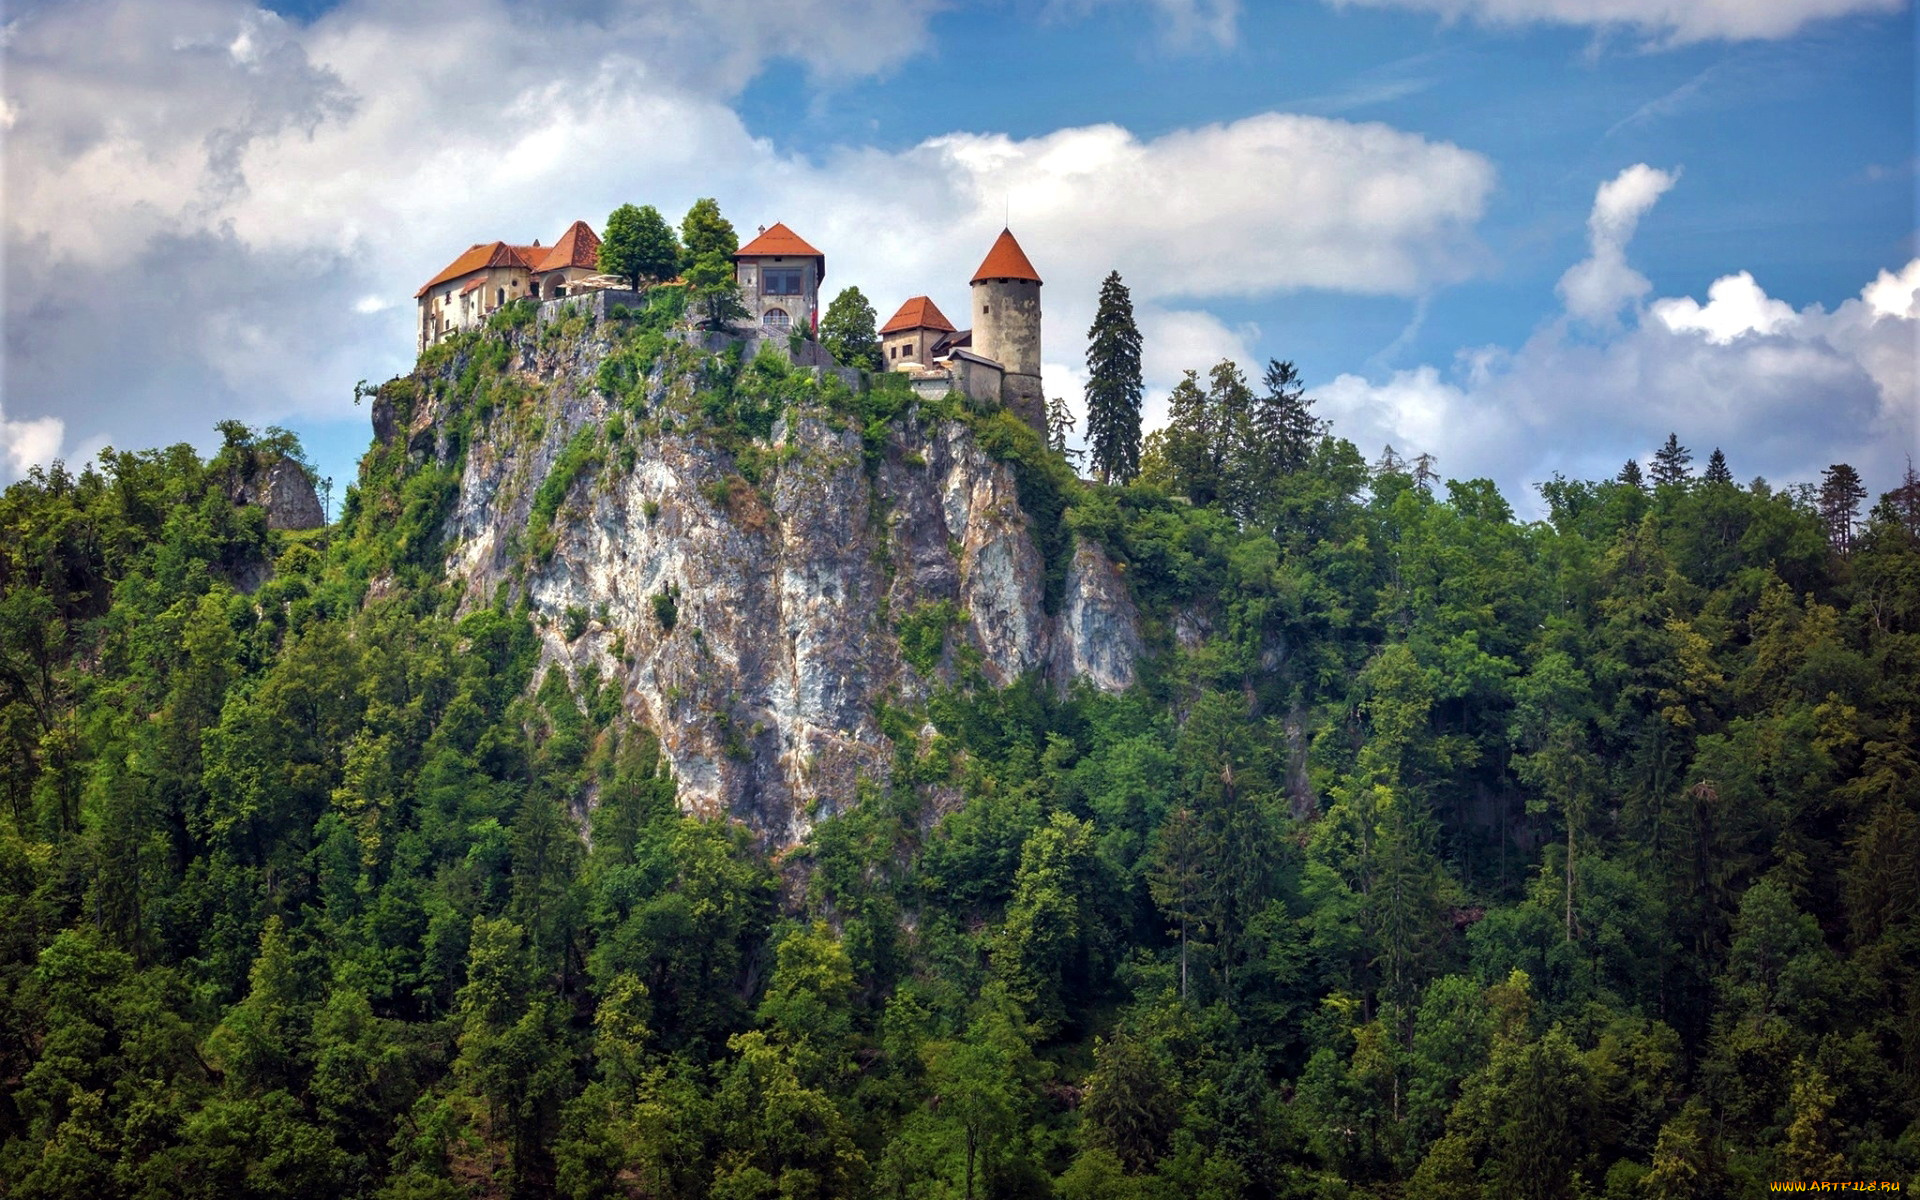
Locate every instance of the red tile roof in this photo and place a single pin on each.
(779, 240)
(918, 313)
(472, 284)
(579, 246)
(1005, 261)
(477, 258)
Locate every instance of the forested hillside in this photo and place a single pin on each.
(1435, 853)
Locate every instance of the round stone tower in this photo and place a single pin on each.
(1006, 326)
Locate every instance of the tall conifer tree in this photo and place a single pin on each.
(1840, 495)
(1113, 385)
(1670, 462)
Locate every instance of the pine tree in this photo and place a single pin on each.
(1425, 471)
(640, 246)
(1389, 462)
(1245, 465)
(1632, 475)
(1901, 506)
(1060, 423)
(1670, 462)
(847, 331)
(1840, 495)
(1190, 442)
(1717, 470)
(1114, 385)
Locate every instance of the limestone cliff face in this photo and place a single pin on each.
(784, 599)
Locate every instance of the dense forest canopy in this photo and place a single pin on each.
(1436, 854)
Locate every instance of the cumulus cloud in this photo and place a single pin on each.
(1596, 287)
(241, 207)
(1670, 22)
(1735, 305)
(25, 445)
(1784, 391)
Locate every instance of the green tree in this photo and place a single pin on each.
(1131, 1105)
(1840, 495)
(1670, 462)
(1113, 385)
(847, 331)
(639, 246)
(1051, 946)
(708, 244)
(1717, 470)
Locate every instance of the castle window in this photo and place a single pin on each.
(780, 283)
(777, 318)
(500, 295)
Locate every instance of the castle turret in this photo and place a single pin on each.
(1006, 326)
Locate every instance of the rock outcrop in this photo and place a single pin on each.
(754, 628)
(285, 490)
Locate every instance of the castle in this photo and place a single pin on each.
(779, 273)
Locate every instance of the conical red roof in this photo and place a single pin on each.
(579, 246)
(1006, 261)
(918, 313)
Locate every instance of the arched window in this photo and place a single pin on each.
(499, 296)
(777, 318)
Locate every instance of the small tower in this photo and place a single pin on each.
(780, 276)
(1006, 326)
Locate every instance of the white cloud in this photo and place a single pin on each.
(1892, 295)
(1735, 305)
(1671, 22)
(1596, 287)
(249, 204)
(28, 444)
(1784, 391)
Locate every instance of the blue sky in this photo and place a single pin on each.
(217, 210)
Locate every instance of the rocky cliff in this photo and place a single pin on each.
(760, 555)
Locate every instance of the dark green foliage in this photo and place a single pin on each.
(923, 634)
(1670, 462)
(1433, 854)
(639, 246)
(666, 607)
(707, 246)
(1113, 385)
(847, 331)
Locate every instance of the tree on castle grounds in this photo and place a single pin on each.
(640, 246)
(1113, 385)
(847, 331)
(708, 244)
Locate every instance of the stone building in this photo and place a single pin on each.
(780, 276)
(916, 335)
(997, 359)
(490, 274)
